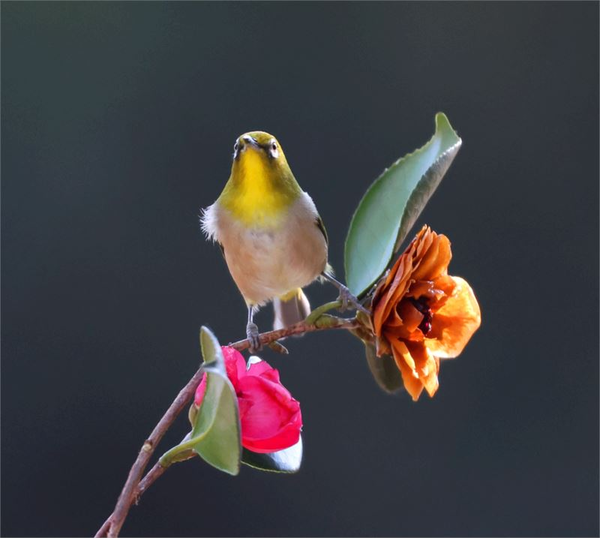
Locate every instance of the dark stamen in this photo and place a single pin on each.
(422, 306)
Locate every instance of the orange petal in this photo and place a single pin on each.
(454, 323)
(444, 256)
(436, 260)
(423, 269)
(411, 383)
(422, 242)
(394, 321)
(445, 284)
(391, 296)
(410, 316)
(427, 366)
(378, 318)
(411, 256)
(420, 288)
(442, 289)
(382, 301)
(398, 288)
(382, 346)
(401, 348)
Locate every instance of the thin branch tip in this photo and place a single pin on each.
(135, 486)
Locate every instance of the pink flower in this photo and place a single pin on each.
(271, 419)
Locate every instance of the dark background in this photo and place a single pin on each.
(118, 121)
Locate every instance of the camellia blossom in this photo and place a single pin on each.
(270, 418)
(421, 314)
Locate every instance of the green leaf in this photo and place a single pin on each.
(392, 204)
(384, 370)
(211, 350)
(216, 433)
(283, 461)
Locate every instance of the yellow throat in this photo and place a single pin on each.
(261, 186)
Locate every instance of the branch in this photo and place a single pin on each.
(322, 324)
(114, 523)
(135, 487)
(154, 473)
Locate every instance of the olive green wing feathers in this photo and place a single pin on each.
(321, 226)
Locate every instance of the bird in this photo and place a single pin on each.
(270, 233)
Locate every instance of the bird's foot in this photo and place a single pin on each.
(252, 335)
(346, 299)
(349, 301)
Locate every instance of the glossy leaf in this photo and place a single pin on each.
(392, 204)
(217, 423)
(283, 461)
(384, 370)
(211, 351)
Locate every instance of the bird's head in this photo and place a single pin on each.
(261, 186)
(258, 154)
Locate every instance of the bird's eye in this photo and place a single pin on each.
(274, 146)
(236, 146)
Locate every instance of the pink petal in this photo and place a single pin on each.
(235, 366)
(288, 436)
(234, 363)
(263, 369)
(200, 391)
(271, 419)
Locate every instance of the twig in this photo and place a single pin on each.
(148, 480)
(103, 531)
(117, 518)
(153, 474)
(135, 487)
(300, 328)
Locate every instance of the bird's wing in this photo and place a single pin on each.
(321, 226)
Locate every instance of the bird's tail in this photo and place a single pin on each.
(290, 308)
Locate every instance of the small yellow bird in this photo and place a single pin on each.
(270, 232)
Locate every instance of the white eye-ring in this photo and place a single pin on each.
(273, 150)
(236, 148)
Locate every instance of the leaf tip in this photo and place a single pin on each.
(442, 123)
(210, 347)
(441, 118)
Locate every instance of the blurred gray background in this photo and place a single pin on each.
(118, 121)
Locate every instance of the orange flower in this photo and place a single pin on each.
(421, 314)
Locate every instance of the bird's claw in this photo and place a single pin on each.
(349, 301)
(252, 334)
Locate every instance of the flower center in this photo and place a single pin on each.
(422, 306)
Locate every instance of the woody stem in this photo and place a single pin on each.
(135, 487)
